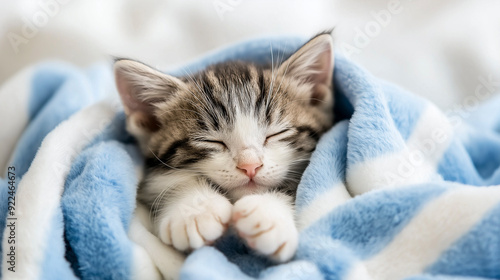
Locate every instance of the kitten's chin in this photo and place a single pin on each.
(250, 185)
(246, 189)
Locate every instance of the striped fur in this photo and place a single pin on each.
(208, 110)
(193, 129)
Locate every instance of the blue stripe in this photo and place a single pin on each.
(54, 265)
(477, 253)
(97, 204)
(384, 115)
(332, 257)
(211, 265)
(57, 91)
(443, 277)
(367, 223)
(464, 172)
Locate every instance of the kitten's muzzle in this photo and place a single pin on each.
(250, 169)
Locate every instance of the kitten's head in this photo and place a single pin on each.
(245, 127)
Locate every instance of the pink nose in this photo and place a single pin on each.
(250, 168)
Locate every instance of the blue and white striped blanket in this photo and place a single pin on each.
(396, 189)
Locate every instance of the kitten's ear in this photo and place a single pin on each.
(313, 63)
(140, 87)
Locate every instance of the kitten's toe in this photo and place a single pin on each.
(201, 225)
(196, 240)
(180, 239)
(285, 251)
(267, 226)
(210, 227)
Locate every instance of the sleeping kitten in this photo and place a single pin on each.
(234, 133)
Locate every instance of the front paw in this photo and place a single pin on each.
(195, 221)
(266, 223)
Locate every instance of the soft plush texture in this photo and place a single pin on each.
(395, 190)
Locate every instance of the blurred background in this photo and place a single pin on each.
(441, 49)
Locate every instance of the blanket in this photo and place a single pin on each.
(396, 189)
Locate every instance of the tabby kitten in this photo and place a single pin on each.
(235, 133)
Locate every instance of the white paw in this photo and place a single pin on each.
(266, 223)
(194, 221)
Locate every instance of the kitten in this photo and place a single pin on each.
(235, 133)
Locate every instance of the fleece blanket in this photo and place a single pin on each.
(396, 189)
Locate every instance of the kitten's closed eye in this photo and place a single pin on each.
(277, 135)
(214, 142)
(271, 137)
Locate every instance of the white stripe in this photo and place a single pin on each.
(416, 163)
(40, 190)
(322, 205)
(14, 115)
(357, 272)
(167, 260)
(143, 266)
(441, 223)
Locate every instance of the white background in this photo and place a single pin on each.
(437, 49)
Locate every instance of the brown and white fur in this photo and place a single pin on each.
(228, 145)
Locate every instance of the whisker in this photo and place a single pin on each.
(286, 70)
(154, 207)
(272, 77)
(204, 104)
(158, 206)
